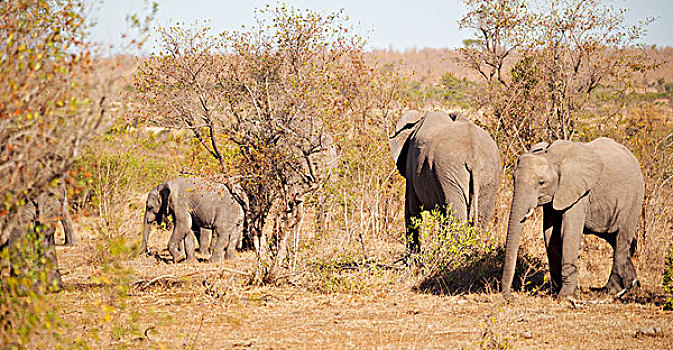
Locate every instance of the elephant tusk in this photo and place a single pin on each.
(530, 212)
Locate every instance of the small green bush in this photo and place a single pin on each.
(668, 279)
(454, 256)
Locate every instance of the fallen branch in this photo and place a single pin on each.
(154, 280)
(579, 303)
(146, 283)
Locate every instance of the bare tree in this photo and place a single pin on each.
(265, 102)
(542, 62)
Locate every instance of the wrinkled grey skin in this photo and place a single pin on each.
(446, 159)
(594, 187)
(43, 212)
(195, 204)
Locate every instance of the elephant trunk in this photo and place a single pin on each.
(519, 211)
(146, 233)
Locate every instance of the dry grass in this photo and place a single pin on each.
(343, 306)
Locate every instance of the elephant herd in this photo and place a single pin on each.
(595, 187)
(448, 162)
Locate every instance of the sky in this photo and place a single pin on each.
(392, 24)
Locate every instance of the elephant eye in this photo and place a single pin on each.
(541, 182)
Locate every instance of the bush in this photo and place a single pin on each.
(668, 279)
(454, 256)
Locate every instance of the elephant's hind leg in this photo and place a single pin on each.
(225, 246)
(623, 272)
(190, 248)
(412, 210)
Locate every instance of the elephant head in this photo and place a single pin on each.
(560, 174)
(156, 210)
(398, 141)
(408, 124)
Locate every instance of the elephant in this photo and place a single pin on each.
(196, 204)
(583, 188)
(445, 159)
(39, 215)
(156, 211)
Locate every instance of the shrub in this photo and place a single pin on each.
(668, 279)
(454, 256)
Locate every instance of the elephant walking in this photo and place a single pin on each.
(594, 187)
(196, 204)
(446, 159)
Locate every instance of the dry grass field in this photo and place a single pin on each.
(208, 306)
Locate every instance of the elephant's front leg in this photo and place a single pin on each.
(572, 229)
(552, 241)
(181, 228)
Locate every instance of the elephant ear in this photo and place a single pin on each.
(398, 141)
(579, 170)
(163, 192)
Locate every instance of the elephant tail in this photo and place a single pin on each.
(473, 211)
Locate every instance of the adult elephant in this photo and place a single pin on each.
(39, 216)
(446, 159)
(594, 187)
(195, 204)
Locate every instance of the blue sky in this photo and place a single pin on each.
(388, 24)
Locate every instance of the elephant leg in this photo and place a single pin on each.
(221, 242)
(230, 251)
(190, 248)
(53, 275)
(487, 201)
(206, 241)
(181, 228)
(552, 241)
(412, 209)
(181, 249)
(623, 272)
(66, 221)
(572, 229)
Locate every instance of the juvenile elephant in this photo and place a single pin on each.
(156, 211)
(594, 187)
(195, 204)
(446, 159)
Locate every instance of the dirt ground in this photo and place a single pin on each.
(206, 306)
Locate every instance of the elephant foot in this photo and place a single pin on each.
(216, 257)
(178, 258)
(191, 261)
(566, 292)
(613, 287)
(509, 298)
(229, 255)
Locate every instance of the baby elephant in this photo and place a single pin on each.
(195, 204)
(594, 187)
